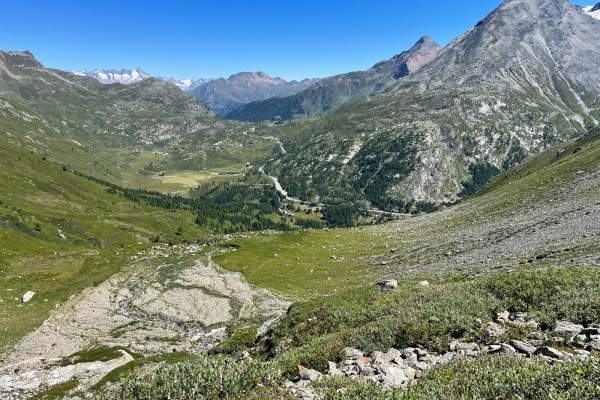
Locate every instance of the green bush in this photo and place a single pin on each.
(206, 378)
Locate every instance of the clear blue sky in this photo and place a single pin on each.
(213, 38)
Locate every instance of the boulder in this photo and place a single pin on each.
(594, 345)
(548, 352)
(28, 296)
(308, 374)
(424, 283)
(522, 347)
(566, 329)
(386, 286)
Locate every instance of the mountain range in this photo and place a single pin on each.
(514, 84)
(145, 237)
(128, 76)
(225, 95)
(332, 92)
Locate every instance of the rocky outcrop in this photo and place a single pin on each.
(399, 368)
(33, 376)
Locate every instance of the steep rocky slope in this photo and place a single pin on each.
(522, 79)
(340, 89)
(225, 95)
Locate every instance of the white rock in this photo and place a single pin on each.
(28, 296)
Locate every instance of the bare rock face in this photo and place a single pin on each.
(518, 38)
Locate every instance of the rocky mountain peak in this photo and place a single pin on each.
(519, 37)
(259, 77)
(425, 43)
(596, 7)
(20, 59)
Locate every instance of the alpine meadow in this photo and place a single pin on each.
(426, 228)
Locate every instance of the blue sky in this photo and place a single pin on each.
(213, 38)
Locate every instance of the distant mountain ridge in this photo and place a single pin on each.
(225, 95)
(332, 92)
(129, 76)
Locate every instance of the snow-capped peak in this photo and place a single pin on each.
(128, 76)
(593, 11)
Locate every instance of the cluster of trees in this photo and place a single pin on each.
(341, 216)
(482, 173)
(225, 208)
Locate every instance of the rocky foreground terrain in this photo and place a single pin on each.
(167, 299)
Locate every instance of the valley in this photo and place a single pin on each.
(427, 228)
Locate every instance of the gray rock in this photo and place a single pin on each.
(424, 283)
(308, 374)
(386, 286)
(522, 347)
(548, 352)
(507, 348)
(446, 358)
(28, 296)
(566, 329)
(333, 370)
(594, 345)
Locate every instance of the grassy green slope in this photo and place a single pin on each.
(38, 198)
(556, 191)
(515, 207)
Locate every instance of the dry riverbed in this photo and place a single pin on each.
(167, 299)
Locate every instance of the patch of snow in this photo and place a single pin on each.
(588, 11)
